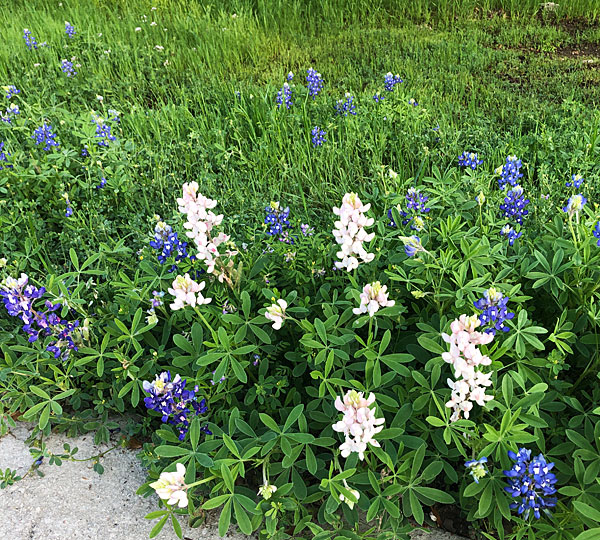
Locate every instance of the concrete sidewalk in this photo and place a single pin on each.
(72, 502)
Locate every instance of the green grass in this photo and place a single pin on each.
(497, 77)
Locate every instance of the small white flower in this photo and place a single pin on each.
(267, 490)
(99, 98)
(138, 29)
(159, 47)
(153, 23)
(3, 262)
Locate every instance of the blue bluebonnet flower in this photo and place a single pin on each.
(4, 155)
(290, 76)
(221, 380)
(494, 311)
(19, 299)
(413, 245)
(413, 102)
(102, 183)
(277, 219)
(11, 90)
(168, 244)
(470, 159)
(378, 97)
(390, 81)
(67, 68)
(103, 131)
(114, 116)
(510, 233)
(170, 398)
(29, 39)
(256, 360)
(314, 82)
(13, 109)
(595, 231)
(69, 29)
(84, 151)
(306, 229)
(284, 96)
(416, 204)
(157, 298)
(477, 468)
(509, 172)
(44, 134)
(346, 106)
(575, 204)
(531, 481)
(318, 136)
(514, 205)
(69, 211)
(576, 181)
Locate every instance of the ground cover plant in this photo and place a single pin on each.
(337, 264)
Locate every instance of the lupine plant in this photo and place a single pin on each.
(404, 357)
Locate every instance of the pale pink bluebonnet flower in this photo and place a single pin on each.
(171, 487)
(187, 293)
(373, 297)
(465, 358)
(201, 221)
(359, 424)
(276, 313)
(351, 234)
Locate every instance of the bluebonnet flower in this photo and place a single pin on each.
(531, 481)
(575, 205)
(13, 109)
(102, 183)
(277, 220)
(44, 134)
(11, 90)
(514, 205)
(69, 211)
(69, 29)
(167, 243)
(284, 96)
(29, 39)
(103, 131)
(576, 181)
(19, 300)
(157, 298)
(413, 102)
(306, 229)
(469, 160)
(416, 204)
(290, 76)
(378, 97)
(412, 246)
(314, 82)
(84, 151)
(256, 360)
(170, 398)
(346, 106)
(509, 172)
(595, 231)
(510, 233)
(318, 136)
(477, 468)
(221, 380)
(390, 81)
(4, 155)
(494, 311)
(67, 68)
(115, 116)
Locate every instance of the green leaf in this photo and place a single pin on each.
(158, 527)
(436, 495)
(44, 417)
(225, 518)
(591, 534)
(293, 416)
(227, 477)
(39, 392)
(171, 451)
(176, 526)
(587, 511)
(269, 422)
(215, 502)
(242, 518)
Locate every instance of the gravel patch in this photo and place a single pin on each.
(72, 502)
